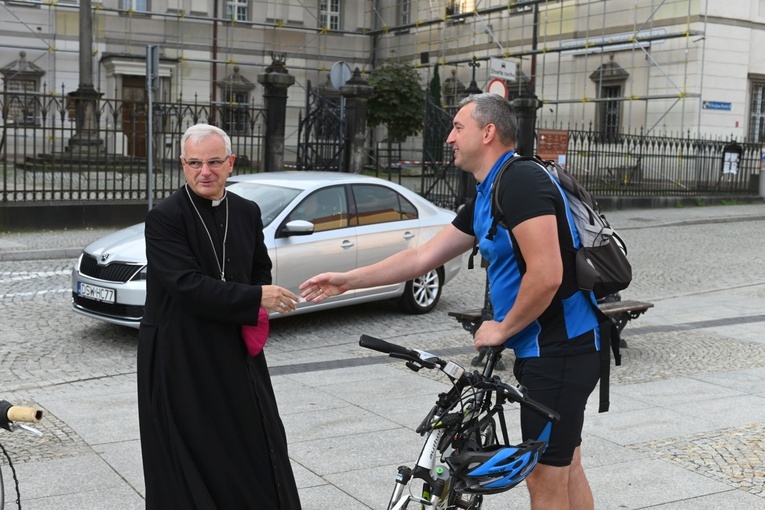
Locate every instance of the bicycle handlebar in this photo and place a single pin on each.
(379, 345)
(398, 351)
(25, 414)
(10, 413)
(475, 379)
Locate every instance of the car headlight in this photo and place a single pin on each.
(140, 275)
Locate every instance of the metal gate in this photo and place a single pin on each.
(442, 183)
(321, 133)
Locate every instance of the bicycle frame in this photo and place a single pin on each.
(462, 416)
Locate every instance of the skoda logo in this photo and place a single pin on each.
(105, 257)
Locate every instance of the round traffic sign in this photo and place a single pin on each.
(497, 86)
(339, 74)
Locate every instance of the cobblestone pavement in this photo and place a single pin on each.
(712, 257)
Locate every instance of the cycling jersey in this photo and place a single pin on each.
(569, 324)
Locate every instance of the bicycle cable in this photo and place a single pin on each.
(15, 478)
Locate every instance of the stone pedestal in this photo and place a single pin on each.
(276, 80)
(356, 92)
(85, 141)
(526, 110)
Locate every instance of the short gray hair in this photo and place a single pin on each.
(493, 109)
(199, 132)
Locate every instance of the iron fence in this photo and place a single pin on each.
(321, 132)
(46, 156)
(639, 165)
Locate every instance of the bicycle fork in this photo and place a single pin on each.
(423, 470)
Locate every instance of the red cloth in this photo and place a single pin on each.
(255, 337)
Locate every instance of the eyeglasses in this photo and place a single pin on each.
(213, 164)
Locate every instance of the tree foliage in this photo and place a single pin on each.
(398, 102)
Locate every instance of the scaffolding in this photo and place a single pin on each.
(556, 45)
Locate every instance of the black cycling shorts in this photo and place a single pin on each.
(562, 384)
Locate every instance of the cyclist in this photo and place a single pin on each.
(538, 309)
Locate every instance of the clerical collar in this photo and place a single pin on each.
(202, 200)
(216, 203)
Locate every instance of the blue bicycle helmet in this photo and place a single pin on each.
(496, 468)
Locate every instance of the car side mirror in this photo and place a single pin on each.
(296, 228)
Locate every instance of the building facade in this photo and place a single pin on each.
(656, 66)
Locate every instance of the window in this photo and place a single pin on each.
(459, 7)
(236, 113)
(609, 113)
(236, 10)
(329, 14)
(134, 5)
(378, 204)
(757, 113)
(610, 79)
(405, 12)
(22, 103)
(327, 209)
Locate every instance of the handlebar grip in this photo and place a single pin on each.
(541, 410)
(376, 344)
(24, 414)
(518, 394)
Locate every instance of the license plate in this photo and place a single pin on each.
(96, 293)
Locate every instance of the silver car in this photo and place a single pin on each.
(313, 222)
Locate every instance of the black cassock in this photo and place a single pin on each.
(211, 436)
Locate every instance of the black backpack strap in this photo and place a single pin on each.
(473, 253)
(496, 211)
(610, 340)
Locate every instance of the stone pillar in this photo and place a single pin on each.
(526, 111)
(356, 92)
(276, 80)
(85, 140)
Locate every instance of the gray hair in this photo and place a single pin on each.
(199, 132)
(493, 109)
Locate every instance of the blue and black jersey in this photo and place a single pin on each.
(569, 324)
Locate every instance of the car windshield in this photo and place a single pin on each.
(271, 199)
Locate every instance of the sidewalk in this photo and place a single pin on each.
(685, 431)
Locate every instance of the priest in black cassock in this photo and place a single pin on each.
(211, 435)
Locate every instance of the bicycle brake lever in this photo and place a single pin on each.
(14, 426)
(412, 359)
(411, 366)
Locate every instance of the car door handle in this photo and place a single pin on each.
(346, 244)
(408, 235)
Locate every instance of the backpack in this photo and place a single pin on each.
(601, 259)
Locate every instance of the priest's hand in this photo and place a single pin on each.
(278, 299)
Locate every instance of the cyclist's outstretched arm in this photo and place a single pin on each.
(447, 244)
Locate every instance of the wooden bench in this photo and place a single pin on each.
(620, 313)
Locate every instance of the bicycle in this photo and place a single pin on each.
(13, 418)
(461, 429)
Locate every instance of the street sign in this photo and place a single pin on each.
(152, 67)
(499, 68)
(497, 86)
(716, 105)
(553, 144)
(339, 74)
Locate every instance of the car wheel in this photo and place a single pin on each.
(422, 293)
